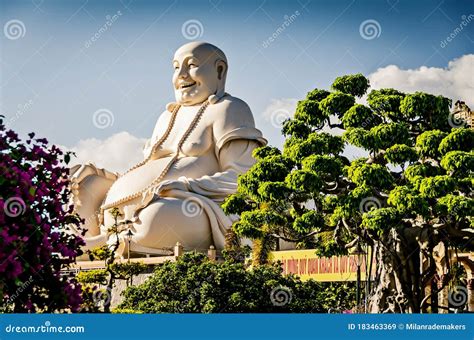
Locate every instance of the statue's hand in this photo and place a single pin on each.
(169, 185)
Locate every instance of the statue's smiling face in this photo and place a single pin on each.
(197, 74)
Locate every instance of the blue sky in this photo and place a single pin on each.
(53, 78)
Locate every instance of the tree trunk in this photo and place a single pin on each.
(397, 287)
(108, 293)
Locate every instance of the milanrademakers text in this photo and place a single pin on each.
(434, 327)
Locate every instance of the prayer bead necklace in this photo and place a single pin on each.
(160, 177)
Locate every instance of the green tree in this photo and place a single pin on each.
(411, 194)
(195, 284)
(95, 297)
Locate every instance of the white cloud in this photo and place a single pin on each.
(455, 82)
(116, 153)
(279, 109)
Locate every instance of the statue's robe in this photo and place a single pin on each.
(218, 149)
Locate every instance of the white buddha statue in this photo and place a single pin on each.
(199, 146)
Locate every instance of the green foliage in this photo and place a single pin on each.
(400, 154)
(337, 103)
(458, 163)
(323, 201)
(434, 110)
(317, 95)
(421, 170)
(303, 181)
(359, 137)
(386, 135)
(308, 222)
(316, 143)
(428, 142)
(89, 298)
(466, 185)
(407, 201)
(455, 205)
(353, 84)
(253, 224)
(195, 284)
(371, 175)
(95, 299)
(358, 162)
(415, 105)
(386, 102)
(327, 246)
(93, 276)
(381, 220)
(308, 111)
(338, 296)
(461, 139)
(125, 311)
(235, 204)
(273, 191)
(379, 137)
(265, 151)
(360, 115)
(126, 270)
(325, 166)
(437, 186)
(100, 253)
(270, 169)
(295, 128)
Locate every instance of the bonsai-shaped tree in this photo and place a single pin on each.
(410, 196)
(95, 297)
(36, 239)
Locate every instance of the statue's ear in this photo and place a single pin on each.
(221, 67)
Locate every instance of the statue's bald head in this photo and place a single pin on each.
(203, 47)
(200, 71)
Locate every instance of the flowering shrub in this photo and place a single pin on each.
(36, 239)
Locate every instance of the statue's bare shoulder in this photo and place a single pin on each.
(163, 119)
(232, 111)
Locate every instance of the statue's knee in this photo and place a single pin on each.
(164, 209)
(163, 223)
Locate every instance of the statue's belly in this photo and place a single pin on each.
(140, 178)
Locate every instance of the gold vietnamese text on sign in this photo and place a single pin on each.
(306, 265)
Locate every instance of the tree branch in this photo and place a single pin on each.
(287, 239)
(332, 126)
